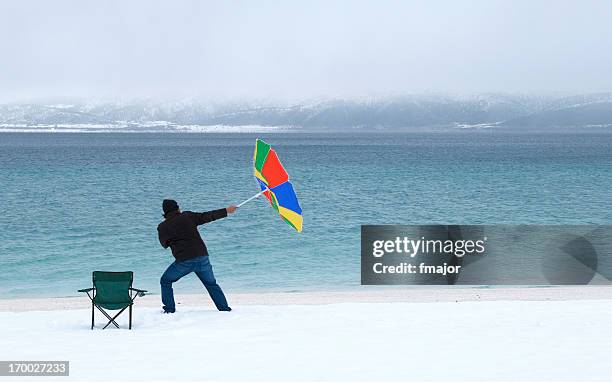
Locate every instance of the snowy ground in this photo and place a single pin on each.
(456, 341)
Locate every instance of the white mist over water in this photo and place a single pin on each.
(296, 50)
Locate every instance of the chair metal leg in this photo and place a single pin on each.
(112, 319)
(130, 316)
(92, 315)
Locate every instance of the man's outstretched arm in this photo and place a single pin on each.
(209, 216)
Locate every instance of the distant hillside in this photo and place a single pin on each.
(579, 111)
(392, 113)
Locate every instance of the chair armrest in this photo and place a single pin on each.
(139, 292)
(85, 290)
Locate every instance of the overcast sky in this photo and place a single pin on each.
(297, 49)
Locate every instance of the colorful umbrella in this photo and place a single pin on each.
(275, 185)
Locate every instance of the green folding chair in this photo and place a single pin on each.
(112, 291)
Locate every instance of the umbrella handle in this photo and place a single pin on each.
(257, 195)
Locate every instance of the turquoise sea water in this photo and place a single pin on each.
(74, 203)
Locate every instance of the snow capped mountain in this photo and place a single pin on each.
(407, 112)
(594, 110)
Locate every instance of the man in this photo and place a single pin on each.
(179, 231)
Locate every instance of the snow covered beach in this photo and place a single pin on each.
(472, 334)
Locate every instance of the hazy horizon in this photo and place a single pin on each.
(296, 51)
(272, 100)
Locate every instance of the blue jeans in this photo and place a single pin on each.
(202, 268)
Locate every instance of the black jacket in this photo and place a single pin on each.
(180, 232)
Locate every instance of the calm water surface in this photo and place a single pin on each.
(73, 203)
